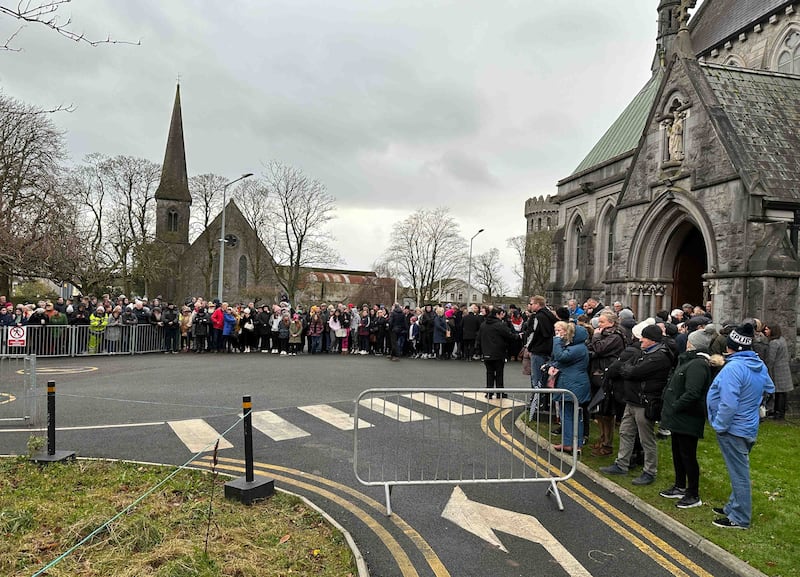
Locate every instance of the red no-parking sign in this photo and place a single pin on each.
(17, 336)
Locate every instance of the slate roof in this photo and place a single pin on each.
(719, 20)
(174, 184)
(623, 136)
(762, 109)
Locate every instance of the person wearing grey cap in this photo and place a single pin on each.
(645, 376)
(684, 415)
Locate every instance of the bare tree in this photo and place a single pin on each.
(207, 192)
(47, 14)
(488, 273)
(35, 217)
(426, 247)
(534, 252)
(290, 213)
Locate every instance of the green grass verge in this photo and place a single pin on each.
(771, 544)
(46, 510)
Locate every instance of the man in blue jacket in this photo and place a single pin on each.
(733, 401)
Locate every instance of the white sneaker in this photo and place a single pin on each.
(274, 351)
(283, 353)
(363, 353)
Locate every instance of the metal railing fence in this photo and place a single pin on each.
(457, 436)
(20, 400)
(79, 340)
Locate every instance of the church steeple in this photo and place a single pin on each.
(669, 22)
(174, 183)
(673, 31)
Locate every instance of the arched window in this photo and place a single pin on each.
(612, 222)
(789, 54)
(549, 223)
(539, 224)
(172, 220)
(242, 272)
(578, 244)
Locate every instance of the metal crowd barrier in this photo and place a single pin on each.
(458, 436)
(79, 340)
(20, 401)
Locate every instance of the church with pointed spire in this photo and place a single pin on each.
(693, 194)
(192, 269)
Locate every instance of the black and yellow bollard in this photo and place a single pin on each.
(52, 456)
(250, 488)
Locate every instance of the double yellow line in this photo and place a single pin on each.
(316, 485)
(612, 517)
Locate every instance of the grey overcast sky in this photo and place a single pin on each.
(392, 104)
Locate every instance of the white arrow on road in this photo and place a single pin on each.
(480, 520)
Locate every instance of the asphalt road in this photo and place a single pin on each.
(133, 407)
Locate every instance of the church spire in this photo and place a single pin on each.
(174, 183)
(673, 31)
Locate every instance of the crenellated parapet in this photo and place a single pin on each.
(541, 213)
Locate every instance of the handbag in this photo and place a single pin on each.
(341, 333)
(248, 326)
(552, 377)
(652, 407)
(526, 362)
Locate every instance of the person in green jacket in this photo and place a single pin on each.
(684, 414)
(58, 321)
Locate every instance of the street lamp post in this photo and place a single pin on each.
(469, 266)
(222, 240)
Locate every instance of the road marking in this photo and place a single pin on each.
(275, 427)
(60, 370)
(198, 435)
(480, 520)
(396, 550)
(334, 416)
(480, 397)
(599, 507)
(9, 398)
(443, 404)
(392, 410)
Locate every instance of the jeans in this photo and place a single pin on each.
(736, 453)
(536, 370)
(568, 423)
(633, 421)
(316, 344)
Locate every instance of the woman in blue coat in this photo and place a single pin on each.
(571, 358)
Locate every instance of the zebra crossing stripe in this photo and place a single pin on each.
(334, 416)
(443, 404)
(197, 435)
(504, 403)
(392, 410)
(275, 427)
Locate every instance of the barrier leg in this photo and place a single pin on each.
(52, 456)
(250, 488)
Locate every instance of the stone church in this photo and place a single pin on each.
(192, 269)
(693, 193)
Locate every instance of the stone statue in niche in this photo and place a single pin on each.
(675, 136)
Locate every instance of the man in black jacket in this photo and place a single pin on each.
(538, 332)
(470, 325)
(495, 337)
(645, 374)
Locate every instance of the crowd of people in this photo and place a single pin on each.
(678, 368)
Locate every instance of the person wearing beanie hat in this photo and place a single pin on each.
(683, 415)
(699, 341)
(645, 375)
(733, 403)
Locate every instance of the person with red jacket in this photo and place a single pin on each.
(217, 324)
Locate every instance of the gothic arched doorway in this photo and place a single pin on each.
(690, 263)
